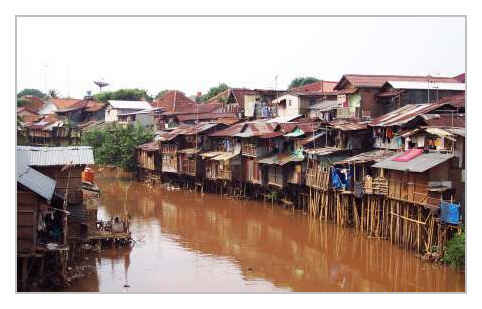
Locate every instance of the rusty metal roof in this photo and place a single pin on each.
(377, 81)
(230, 131)
(370, 156)
(149, 147)
(164, 136)
(189, 150)
(322, 151)
(405, 114)
(348, 125)
(204, 116)
(282, 159)
(444, 120)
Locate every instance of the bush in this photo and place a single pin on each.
(455, 251)
(115, 145)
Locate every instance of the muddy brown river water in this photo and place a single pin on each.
(188, 242)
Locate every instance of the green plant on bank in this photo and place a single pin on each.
(116, 144)
(455, 250)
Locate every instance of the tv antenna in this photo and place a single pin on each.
(101, 84)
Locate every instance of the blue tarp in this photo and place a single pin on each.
(339, 180)
(450, 212)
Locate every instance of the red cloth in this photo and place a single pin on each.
(408, 155)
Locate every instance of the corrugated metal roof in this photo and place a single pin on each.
(419, 164)
(325, 105)
(152, 146)
(32, 179)
(282, 159)
(211, 154)
(225, 156)
(363, 80)
(348, 125)
(370, 156)
(322, 151)
(118, 104)
(51, 156)
(189, 150)
(405, 114)
(457, 131)
(426, 85)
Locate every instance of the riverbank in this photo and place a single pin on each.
(193, 242)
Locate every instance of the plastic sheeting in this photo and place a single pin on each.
(450, 212)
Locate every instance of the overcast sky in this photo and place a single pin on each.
(194, 54)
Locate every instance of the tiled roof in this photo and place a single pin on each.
(64, 103)
(34, 103)
(377, 81)
(325, 87)
(174, 101)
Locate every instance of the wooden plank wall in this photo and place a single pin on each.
(27, 214)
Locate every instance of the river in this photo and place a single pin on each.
(188, 242)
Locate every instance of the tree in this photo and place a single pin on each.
(53, 93)
(116, 145)
(123, 94)
(22, 102)
(32, 92)
(161, 93)
(213, 91)
(301, 81)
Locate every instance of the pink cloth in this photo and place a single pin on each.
(408, 155)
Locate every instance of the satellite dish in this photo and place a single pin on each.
(101, 84)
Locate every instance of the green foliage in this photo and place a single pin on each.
(116, 144)
(455, 251)
(213, 91)
(301, 81)
(32, 92)
(161, 93)
(22, 102)
(123, 94)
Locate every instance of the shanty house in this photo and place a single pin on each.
(396, 94)
(390, 130)
(148, 160)
(116, 108)
(53, 105)
(359, 93)
(65, 166)
(35, 192)
(223, 161)
(419, 177)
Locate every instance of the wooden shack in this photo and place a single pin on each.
(424, 180)
(64, 165)
(148, 161)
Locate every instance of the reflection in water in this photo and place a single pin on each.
(188, 242)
